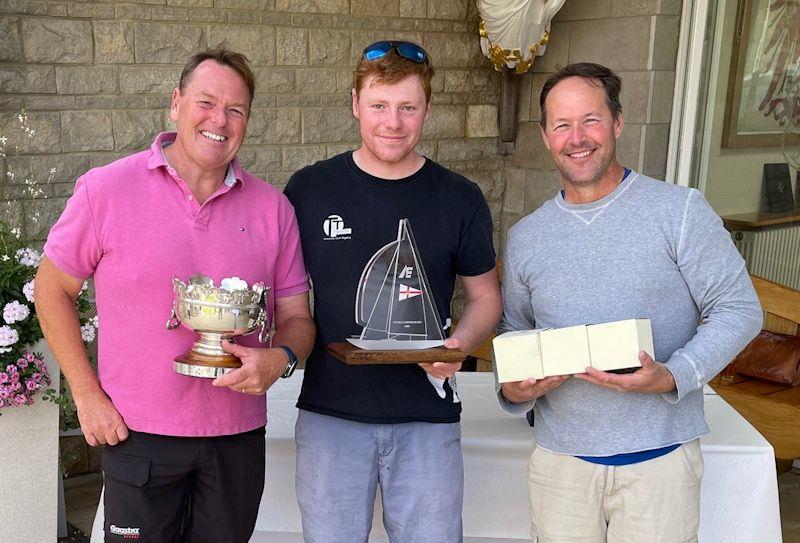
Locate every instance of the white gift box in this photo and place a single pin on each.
(520, 354)
(565, 350)
(616, 345)
(536, 354)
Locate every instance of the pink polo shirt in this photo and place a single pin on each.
(133, 224)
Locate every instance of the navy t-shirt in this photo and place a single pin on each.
(345, 215)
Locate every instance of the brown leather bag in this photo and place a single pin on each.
(771, 356)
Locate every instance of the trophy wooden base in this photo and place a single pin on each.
(350, 354)
(196, 364)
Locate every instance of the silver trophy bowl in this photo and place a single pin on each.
(216, 313)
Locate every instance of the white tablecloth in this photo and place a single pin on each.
(739, 496)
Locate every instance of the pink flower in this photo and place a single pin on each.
(31, 385)
(11, 369)
(3, 377)
(5, 392)
(36, 377)
(20, 399)
(22, 363)
(29, 356)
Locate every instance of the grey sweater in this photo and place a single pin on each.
(647, 250)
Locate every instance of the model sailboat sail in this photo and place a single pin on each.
(393, 301)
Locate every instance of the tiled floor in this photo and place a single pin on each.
(81, 503)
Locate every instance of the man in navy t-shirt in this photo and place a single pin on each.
(393, 425)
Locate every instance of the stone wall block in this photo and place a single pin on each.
(48, 102)
(56, 40)
(540, 186)
(629, 146)
(635, 95)
(329, 47)
(316, 80)
(428, 149)
(148, 79)
(537, 84)
(191, 3)
(24, 6)
(46, 136)
(663, 93)
(665, 45)
(292, 46)
(273, 126)
(90, 11)
(581, 10)
(274, 81)
(491, 182)
(68, 167)
(359, 40)
(445, 122)
(467, 149)
(344, 82)
(448, 9)
(413, 8)
(113, 42)
(620, 44)
(671, 7)
(484, 79)
(328, 125)
(313, 6)
(255, 42)
(166, 43)
(384, 8)
(41, 214)
(208, 15)
(529, 150)
(249, 5)
(86, 131)
(457, 50)
(135, 130)
(628, 8)
(294, 158)
(27, 78)
(656, 143)
(456, 80)
(11, 44)
(259, 159)
(86, 80)
(482, 121)
(514, 197)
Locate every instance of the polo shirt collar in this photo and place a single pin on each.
(157, 159)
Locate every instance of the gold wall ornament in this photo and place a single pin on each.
(514, 32)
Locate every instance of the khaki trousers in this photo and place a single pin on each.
(656, 501)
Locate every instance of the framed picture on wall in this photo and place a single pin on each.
(763, 98)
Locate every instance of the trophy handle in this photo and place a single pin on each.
(173, 321)
(263, 335)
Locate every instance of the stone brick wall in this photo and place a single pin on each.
(636, 38)
(96, 77)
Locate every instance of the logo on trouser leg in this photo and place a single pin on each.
(127, 533)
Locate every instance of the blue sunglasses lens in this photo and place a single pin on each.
(377, 50)
(406, 50)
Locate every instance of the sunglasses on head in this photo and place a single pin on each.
(405, 49)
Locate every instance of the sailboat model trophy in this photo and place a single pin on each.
(395, 307)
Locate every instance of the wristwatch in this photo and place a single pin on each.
(291, 364)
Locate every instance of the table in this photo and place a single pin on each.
(739, 495)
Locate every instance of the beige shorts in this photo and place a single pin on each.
(656, 501)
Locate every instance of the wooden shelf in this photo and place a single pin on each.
(757, 219)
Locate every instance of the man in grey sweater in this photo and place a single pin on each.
(617, 456)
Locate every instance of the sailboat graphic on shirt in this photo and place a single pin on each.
(393, 301)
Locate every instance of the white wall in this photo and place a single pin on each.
(730, 178)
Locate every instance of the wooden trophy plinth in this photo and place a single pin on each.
(211, 366)
(352, 355)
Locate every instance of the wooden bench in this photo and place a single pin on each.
(773, 409)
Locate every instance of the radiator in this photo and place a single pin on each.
(771, 253)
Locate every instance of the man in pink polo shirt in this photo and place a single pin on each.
(183, 456)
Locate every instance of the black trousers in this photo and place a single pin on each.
(164, 489)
